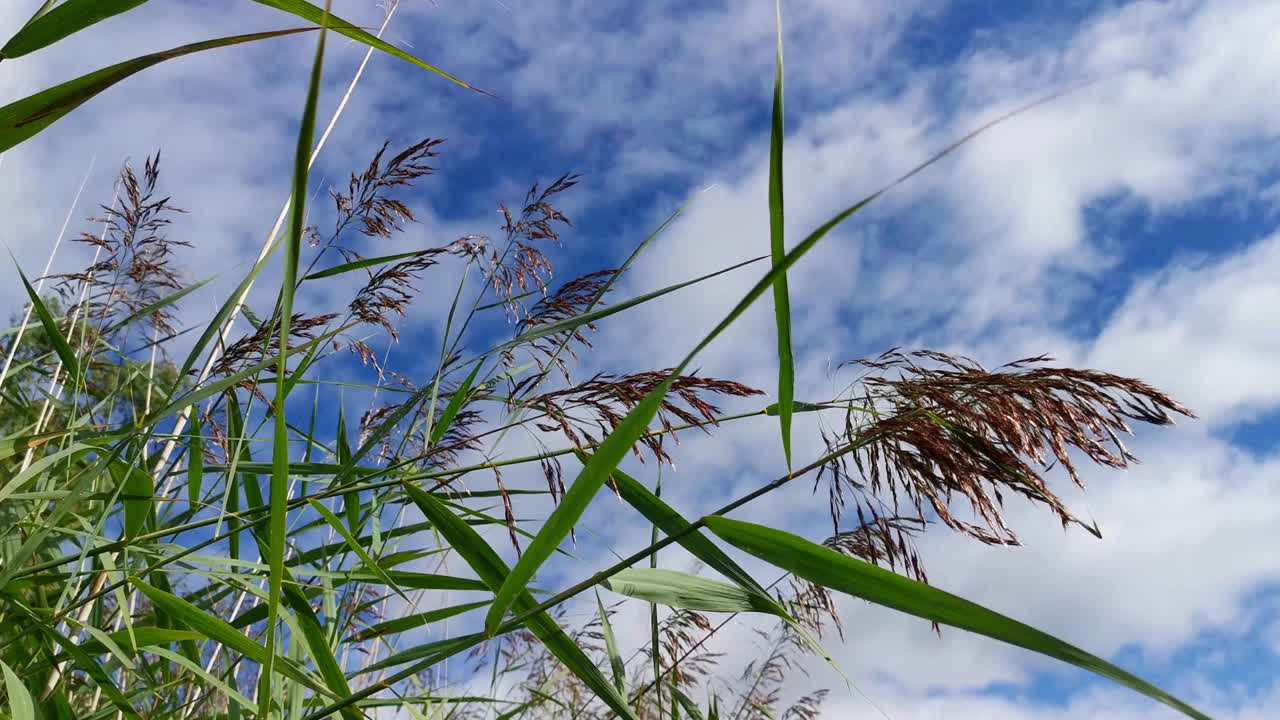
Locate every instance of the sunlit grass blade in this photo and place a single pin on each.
(690, 592)
(21, 706)
(616, 666)
(861, 579)
(27, 117)
(213, 681)
(307, 11)
(778, 250)
(70, 363)
(61, 21)
(662, 515)
(280, 437)
(489, 567)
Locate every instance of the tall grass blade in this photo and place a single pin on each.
(280, 451)
(861, 579)
(778, 251)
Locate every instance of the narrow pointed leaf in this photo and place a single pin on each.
(861, 579)
(27, 117)
(689, 592)
(611, 646)
(360, 264)
(60, 345)
(409, 622)
(61, 21)
(222, 633)
(778, 251)
(280, 437)
(455, 404)
(307, 11)
(355, 547)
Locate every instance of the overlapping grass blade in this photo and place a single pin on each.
(307, 11)
(778, 250)
(456, 402)
(222, 633)
(60, 21)
(369, 561)
(27, 117)
(861, 579)
(485, 562)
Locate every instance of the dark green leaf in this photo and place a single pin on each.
(62, 20)
(861, 579)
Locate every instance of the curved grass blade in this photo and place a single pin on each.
(360, 264)
(860, 579)
(307, 11)
(408, 622)
(80, 659)
(207, 677)
(137, 491)
(690, 592)
(61, 21)
(635, 494)
(778, 250)
(21, 707)
(486, 564)
(27, 117)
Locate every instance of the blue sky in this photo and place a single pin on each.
(1130, 227)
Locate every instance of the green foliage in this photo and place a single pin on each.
(128, 480)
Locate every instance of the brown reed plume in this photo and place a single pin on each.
(943, 427)
(608, 398)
